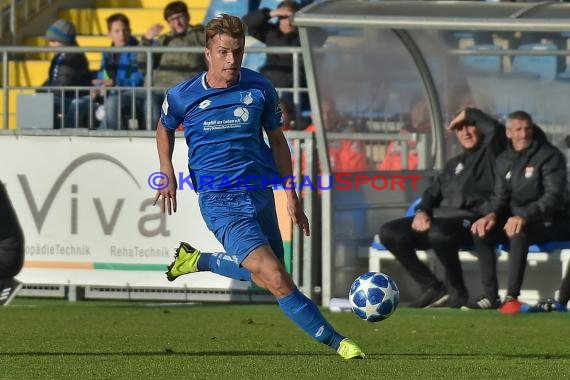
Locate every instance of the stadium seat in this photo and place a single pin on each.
(540, 66)
(483, 63)
(412, 208)
(410, 211)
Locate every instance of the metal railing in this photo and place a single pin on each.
(25, 9)
(8, 53)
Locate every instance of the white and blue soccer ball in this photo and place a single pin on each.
(374, 296)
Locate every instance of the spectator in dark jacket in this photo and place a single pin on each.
(278, 68)
(530, 204)
(66, 69)
(455, 199)
(11, 249)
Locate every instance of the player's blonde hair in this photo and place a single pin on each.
(225, 24)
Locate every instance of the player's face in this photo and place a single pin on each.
(224, 56)
(178, 23)
(520, 132)
(468, 136)
(119, 33)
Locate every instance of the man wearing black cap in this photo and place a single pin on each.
(66, 69)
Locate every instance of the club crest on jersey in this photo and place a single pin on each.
(528, 171)
(508, 175)
(204, 104)
(458, 168)
(246, 98)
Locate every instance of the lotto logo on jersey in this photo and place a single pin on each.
(204, 104)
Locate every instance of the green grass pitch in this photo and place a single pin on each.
(56, 339)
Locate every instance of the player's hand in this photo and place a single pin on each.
(166, 198)
(153, 31)
(514, 225)
(421, 222)
(297, 215)
(483, 225)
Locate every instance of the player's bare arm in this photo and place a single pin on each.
(282, 157)
(166, 197)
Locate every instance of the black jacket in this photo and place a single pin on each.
(466, 182)
(69, 69)
(278, 68)
(531, 183)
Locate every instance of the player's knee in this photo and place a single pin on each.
(277, 280)
(439, 236)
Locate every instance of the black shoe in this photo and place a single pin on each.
(458, 302)
(483, 303)
(431, 298)
(10, 287)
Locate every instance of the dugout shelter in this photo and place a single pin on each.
(379, 58)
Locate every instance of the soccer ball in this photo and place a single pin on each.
(374, 296)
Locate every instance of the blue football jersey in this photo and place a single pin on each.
(223, 128)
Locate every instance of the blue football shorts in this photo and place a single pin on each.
(242, 220)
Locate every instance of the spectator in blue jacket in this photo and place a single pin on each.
(120, 69)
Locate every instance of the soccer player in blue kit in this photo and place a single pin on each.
(224, 112)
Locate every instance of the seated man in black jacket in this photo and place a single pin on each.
(443, 219)
(529, 205)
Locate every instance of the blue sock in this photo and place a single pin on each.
(221, 263)
(308, 317)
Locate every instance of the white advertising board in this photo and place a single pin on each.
(85, 205)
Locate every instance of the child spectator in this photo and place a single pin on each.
(66, 69)
(120, 70)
